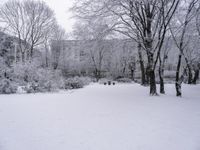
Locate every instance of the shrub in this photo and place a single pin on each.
(103, 81)
(86, 80)
(124, 80)
(7, 86)
(36, 79)
(45, 81)
(77, 82)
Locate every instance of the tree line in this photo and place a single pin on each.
(149, 23)
(104, 29)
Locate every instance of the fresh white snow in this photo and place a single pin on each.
(98, 117)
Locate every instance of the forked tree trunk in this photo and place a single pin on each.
(149, 49)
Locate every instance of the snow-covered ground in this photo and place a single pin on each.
(98, 117)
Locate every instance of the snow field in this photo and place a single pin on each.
(98, 117)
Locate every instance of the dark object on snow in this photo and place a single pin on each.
(105, 83)
(113, 83)
(109, 82)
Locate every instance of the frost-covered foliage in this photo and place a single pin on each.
(7, 86)
(77, 82)
(103, 80)
(124, 80)
(37, 79)
(31, 76)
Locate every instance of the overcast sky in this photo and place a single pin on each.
(61, 8)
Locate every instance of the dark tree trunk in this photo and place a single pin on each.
(150, 53)
(147, 75)
(142, 68)
(161, 74)
(178, 83)
(151, 73)
(189, 68)
(152, 82)
(162, 87)
(133, 74)
(196, 77)
(189, 75)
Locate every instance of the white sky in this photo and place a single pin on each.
(61, 8)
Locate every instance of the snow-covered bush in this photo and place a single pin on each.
(104, 80)
(25, 73)
(86, 80)
(37, 79)
(124, 80)
(47, 80)
(77, 82)
(7, 86)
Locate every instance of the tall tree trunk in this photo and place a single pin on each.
(151, 72)
(152, 83)
(189, 68)
(178, 83)
(161, 76)
(142, 68)
(149, 48)
(196, 76)
(189, 75)
(133, 74)
(46, 56)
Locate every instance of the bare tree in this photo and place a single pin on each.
(28, 20)
(95, 32)
(162, 61)
(57, 50)
(198, 20)
(181, 39)
(144, 21)
(196, 64)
